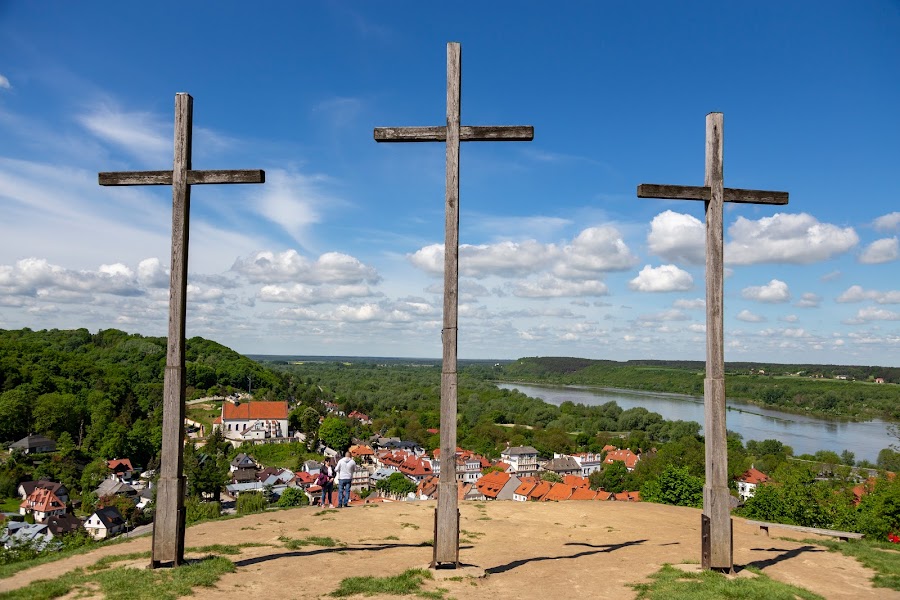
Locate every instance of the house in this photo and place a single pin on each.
(36, 534)
(60, 525)
(521, 459)
(34, 444)
(583, 493)
(26, 487)
(589, 462)
(576, 481)
(562, 465)
(364, 419)
(524, 489)
(626, 456)
(105, 523)
(362, 454)
(121, 468)
(111, 486)
(253, 421)
(415, 468)
(748, 481)
(492, 484)
(539, 491)
(43, 504)
(879, 380)
(557, 492)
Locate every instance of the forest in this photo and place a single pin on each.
(100, 396)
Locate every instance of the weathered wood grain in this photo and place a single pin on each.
(169, 519)
(688, 192)
(446, 543)
(716, 551)
(500, 133)
(193, 177)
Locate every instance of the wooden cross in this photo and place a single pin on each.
(717, 546)
(168, 522)
(446, 542)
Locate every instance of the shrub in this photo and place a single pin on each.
(250, 502)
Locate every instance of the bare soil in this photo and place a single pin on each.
(509, 550)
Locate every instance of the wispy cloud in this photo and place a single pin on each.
(146, 136)
(4, 83)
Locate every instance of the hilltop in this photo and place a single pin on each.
(529, 550)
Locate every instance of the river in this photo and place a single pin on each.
(806, 435)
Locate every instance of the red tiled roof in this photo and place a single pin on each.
(491, 484)
(525, 488)
(576, 481)
(583, 493)
(539, 491)
(255, 410)
(603, 495)
(42, 500)
(753, 476)
(627, 456)
(361, 450)
(557, 492)
(119, 462)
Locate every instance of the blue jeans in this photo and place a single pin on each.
(343, 492)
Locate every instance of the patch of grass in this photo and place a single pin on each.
(410, 525)
(391, 537)
(882, 557)
(10, 504)
(472, 534)
(670, 582)
(483, 519)
(128, 583)
(310, 540)
(246, 528)
(324, 512)
(11, 569)
(406, 583)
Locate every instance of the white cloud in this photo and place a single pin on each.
(856, 293)
(880, 251)
(287, 266)
(789, 318)
(873, 314)
(749, 317)
(292, 201)
(151, 273)
(809, 300)
(786, 238)
(677, 237)
(665, 278)
(696, 303)
(34, 276)
(830, 276)
(888, 222)
(773, 292)
(145, 136)
(594, 251)
(4, 83)
(552, 287)
(300, 293)
(662, 316)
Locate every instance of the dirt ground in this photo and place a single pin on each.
(510, 550)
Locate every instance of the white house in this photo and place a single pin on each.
(748, 481)
(105, 523)
(588, 461)
(253, 421)
(522, 460)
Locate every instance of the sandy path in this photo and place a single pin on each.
(528, 550)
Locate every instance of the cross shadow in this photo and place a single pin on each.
(317, 551)
(595, 549)
(785, 555)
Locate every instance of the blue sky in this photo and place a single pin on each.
(340, 251)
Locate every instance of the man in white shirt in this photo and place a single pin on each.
(344, 469)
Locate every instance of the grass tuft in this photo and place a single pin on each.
(670, 582)
(407, 583)
(310, 540)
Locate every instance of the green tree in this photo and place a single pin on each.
(396, 484)
(551, 476)
(305, 419)
(293, 497)
(611, 478)
(675, 485)
(207, 473)
(335, 433)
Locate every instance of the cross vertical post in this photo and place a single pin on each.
(716, 548)
(169, 519)
(446, 543)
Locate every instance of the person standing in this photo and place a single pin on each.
(326, 481)
(344, 473)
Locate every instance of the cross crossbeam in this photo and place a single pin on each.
(168, 522)
(446, 543)
(716, 548)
